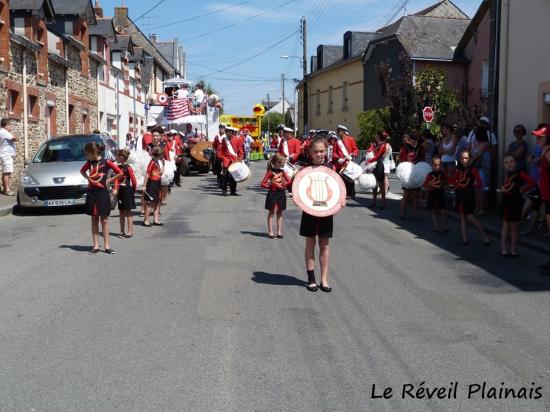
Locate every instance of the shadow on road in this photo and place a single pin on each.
(257, 234)
(521, 273)
(76, 248)
(277, 279)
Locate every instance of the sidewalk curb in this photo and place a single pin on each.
(6, 210)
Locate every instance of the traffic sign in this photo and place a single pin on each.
(428, 114)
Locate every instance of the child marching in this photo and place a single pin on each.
(276, 181)
(152, 194)
(466, 180)
(517, 182)
(98, 201)
(435, 184)
(125, 189)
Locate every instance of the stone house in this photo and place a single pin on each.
(335, 84)
(429, 38)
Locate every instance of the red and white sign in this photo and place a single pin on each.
(319, 191)
(428, 114)
(162, 98)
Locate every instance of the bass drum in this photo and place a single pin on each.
(239, 171)
(353, 170)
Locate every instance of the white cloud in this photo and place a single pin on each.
(244, 11)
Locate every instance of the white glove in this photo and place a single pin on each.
(340, 161)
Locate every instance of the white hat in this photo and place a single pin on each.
(332, 135)
(312, 131)
(288, 129)
(340, 127)
(232, 129)
(484, 119)
(152, 123)
(172, 131)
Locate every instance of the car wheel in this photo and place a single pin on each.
(185, 167)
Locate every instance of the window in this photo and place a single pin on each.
(94, 44)
(330, 100)
(485, 79)
(13, 97)
(101, 73)
(318, 103)
(345, 96)
(68, 27)
(32, 105)
(19, 25)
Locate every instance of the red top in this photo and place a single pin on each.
(337, 153)
(544, 172)
(466, 178)
(294, 148)
(147, 140)
(168, 146)
(154, 171)
(179, 145)
(99, 171)
(516, 183)
(410, 154)
(128, 178)
(306, 144)
(274, 142)
(351, 145)
(276, 179)
(435, 180)
(225, 155)
(216, 143)
(378, 152)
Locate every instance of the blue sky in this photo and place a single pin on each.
(220, 46)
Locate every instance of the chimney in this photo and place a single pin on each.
(121, 16)
(98, 10)
(154, 38)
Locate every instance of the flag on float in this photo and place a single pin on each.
(176, 109)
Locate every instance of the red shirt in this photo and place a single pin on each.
(225, 155)
(338, 153)
(276, 179)
(274, 142)
(154, 170)
(378, 152)
(294, 148)
(466, 178)
(128, 178)
(216, 143)
(99, 172)
(516, 183)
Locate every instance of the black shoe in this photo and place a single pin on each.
(326, 289)
(312, 287)
(110, 251)
(178, 184)
(280, 237)
(224, 192)
(94, 251)
(158, 224)
(234, 194)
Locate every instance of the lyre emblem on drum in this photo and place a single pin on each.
(319, 191)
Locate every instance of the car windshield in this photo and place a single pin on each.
(69, 149)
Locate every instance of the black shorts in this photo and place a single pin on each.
(126, 198)
(512, 207)
(275, 198)
(436, 199)
(152, 191)
(98, 203)
(312, 226)
(465, 201)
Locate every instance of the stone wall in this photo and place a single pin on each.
(82, 94)
(56, 86)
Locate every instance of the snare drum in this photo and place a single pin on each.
(239, 171)
(290, 169)
(353, 170)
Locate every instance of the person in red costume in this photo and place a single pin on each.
(381, 150)
(306, 143)
(344, 150)
(231, 151)
(217, 164)
(543, 140)
(290, 146)
(148, 135)
(275, 180)
(466, 180)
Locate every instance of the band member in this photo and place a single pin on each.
(312, 227)
(147, 138)
(410, 152)
(98, 201)
(290, 146)
(217, 163)
(275, 180)
(152, 194)
(306, 143)
(435, 183)
(516, 184)
(344, 150)
(231, 150)
(125, 189)
(178, 149)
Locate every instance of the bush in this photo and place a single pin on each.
(372, 122)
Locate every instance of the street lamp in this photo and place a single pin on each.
(284, 56)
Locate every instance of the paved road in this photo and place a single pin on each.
(209, 314)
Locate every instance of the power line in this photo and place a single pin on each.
(239, 22)
(200, 15)
(150, 10)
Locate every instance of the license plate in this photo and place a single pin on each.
(65, 202)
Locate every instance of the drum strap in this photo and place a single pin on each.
(285, 147)
(229, 146)
(343, 148)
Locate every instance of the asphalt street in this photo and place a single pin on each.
(208, 313)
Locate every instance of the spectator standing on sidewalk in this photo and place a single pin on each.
(519, 147)
(7, 155)
(481, 160)
(247, 141)
(447, 149)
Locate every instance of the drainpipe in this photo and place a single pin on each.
(66, 92)
(117, 109)
(25, 108)
(99, 67)
(503, 80)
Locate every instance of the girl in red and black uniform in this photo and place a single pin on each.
(126, 188)
(276, 180)
(466, 180)
(152, 193)
(410, 152)
(98, 201)
(435, 183)
(543, 140)
(516, 183)
(312, 227)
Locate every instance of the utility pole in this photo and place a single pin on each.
(283, 91)
(304, 73)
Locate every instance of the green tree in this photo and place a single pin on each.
(432, 89)
(372, 122)
(274, 119)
